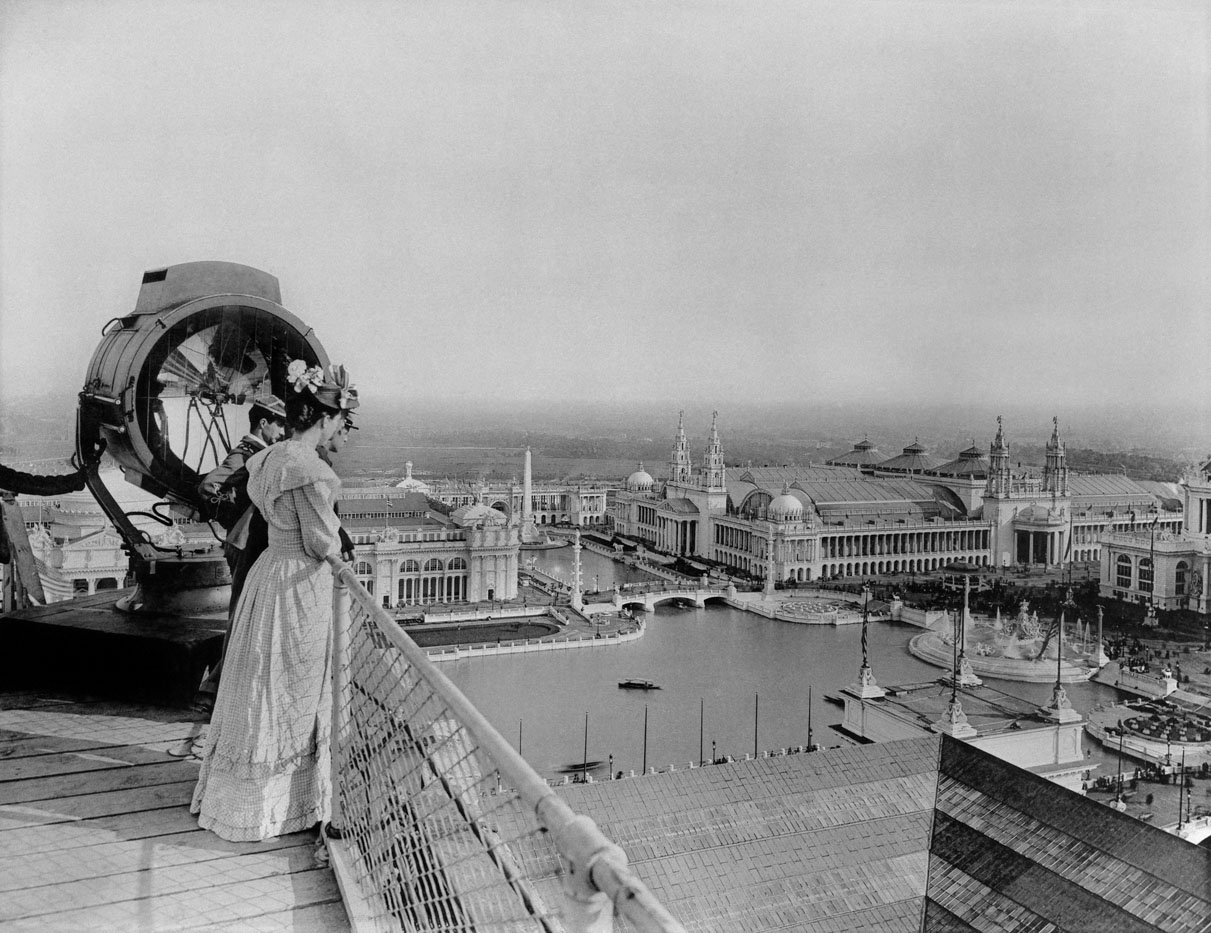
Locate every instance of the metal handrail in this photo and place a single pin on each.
(597, 866)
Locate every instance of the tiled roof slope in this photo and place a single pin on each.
(927, 834)
(826, 841)
(1013, 851)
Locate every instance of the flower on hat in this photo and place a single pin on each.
(303, 377)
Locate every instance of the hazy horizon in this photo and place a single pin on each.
(691, 204)
(945, 429)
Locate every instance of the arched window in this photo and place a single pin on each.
(456, 563)
(1145, 584)
(1180, 574)
(362, 568)
(1122, 568)
(79, 586)
(410, 566)
(433, 564)
(107, 583)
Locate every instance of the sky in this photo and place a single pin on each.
(683, 202)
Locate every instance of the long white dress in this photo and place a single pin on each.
(265, 765)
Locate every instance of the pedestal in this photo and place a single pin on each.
(954, 722)
(867, 687)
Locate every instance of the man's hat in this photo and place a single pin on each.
(267, 406)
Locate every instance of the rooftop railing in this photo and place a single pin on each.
(441, 825)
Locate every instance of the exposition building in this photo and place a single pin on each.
(862, 514)
(1159, 565)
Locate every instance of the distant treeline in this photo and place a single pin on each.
(1133, 465)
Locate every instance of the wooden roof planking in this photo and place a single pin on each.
(96, 834)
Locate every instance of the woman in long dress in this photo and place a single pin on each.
(266, 764)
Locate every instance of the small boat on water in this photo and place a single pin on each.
(576, 767)
(635, 684)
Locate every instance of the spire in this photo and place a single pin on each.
(999, 479)
(679, 461)
(998, 443)
(712, 467)
(1055, 470)
(1055, 443)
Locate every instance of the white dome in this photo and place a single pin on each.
(640, 480)
(786, 508)
(478, 514)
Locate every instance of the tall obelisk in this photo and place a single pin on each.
(528, 534)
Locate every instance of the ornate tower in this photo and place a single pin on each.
(712, 464)
(999, 478)
(1055, 470)
(999, 505)
(679, 462)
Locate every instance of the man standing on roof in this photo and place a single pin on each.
(225, 491)
(222, 489)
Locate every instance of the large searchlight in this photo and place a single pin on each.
(167, 395)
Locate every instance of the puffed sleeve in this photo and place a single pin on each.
(317, 520)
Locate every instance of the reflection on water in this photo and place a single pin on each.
(728, 663)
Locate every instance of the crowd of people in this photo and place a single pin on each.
(265, 760)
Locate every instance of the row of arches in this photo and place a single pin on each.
(433, 581)
(432, 565)
(81, 586)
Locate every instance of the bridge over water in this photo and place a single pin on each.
(650, 595)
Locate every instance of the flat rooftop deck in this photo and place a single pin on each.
(96, 834)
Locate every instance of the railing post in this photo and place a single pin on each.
(340, 632)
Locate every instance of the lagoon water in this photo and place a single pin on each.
(726, 669)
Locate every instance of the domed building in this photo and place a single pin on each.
(411, 550)
(864, 456)
(477, 515)
(860, 515)
(785, 508)
(639, 481)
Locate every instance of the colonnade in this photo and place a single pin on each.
(675, 536)
(854, 552)
(1039, 547)
(915, 542)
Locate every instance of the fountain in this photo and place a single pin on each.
(1015, 649)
